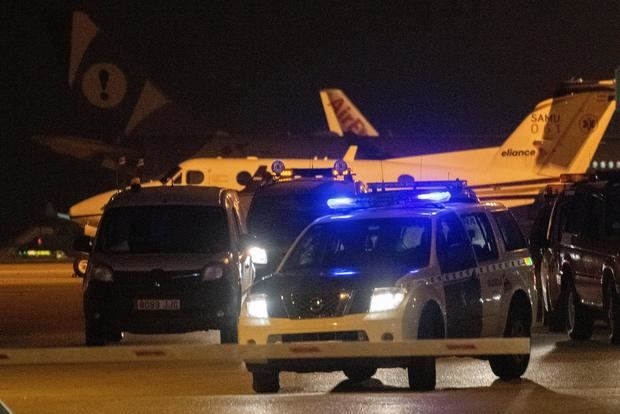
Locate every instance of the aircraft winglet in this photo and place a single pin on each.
(350, 154)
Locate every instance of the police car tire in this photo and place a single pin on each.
(264, 382)
(613, 314)
(579, 322)
(517, 326)
(421, 372)
(358, 374)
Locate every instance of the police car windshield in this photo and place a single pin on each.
(363, 245)
(163, 229)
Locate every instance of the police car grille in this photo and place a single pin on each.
(317, 304)
(326, 336)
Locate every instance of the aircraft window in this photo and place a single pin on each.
(594, 164)
(178, 179)
(603, 164)
(195, 177)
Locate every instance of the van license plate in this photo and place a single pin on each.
(158, 304)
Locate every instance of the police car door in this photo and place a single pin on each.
(490, 267)
(460, 278)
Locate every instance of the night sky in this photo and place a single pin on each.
(429, 67)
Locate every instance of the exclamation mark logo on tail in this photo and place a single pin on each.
(104, 85)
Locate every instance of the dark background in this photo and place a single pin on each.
(471, 68)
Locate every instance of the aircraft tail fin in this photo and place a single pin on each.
(343, 116)
(110, 89)
(561, 134)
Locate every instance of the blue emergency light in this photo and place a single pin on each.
(386, 194)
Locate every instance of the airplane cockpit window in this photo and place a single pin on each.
(195, 177)
(178, 179)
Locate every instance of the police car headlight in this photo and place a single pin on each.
(257, 305)
(102, 274)
(259, 255)
(212, 273)
(386, 299)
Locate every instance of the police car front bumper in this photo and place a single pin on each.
(371, 327)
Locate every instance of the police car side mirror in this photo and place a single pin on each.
(83, 244)
(250, 244)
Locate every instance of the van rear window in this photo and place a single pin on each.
(163, 229)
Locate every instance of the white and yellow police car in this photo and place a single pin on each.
(395, 278)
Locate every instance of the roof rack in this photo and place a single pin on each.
(315, 173)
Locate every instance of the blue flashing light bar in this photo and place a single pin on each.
(404, 194)
(437, 196)
(339, 272)
(342, 202)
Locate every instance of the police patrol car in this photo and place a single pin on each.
(358, 289)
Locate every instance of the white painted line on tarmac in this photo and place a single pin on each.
(231, 353)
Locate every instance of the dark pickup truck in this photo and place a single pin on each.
(577, 241)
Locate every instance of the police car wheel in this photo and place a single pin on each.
(264, 382)
(421, 371)
(359, 373)
(579, 322)
(613, 314)
(517, 326)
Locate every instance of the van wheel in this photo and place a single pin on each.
(358, 374)
(421, 371)
(93, 333)
(229, 333)
(613, 313)
(579, 322)
(517, 326)
(116, 335)
(264, 382)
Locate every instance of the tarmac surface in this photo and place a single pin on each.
(40, 306)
